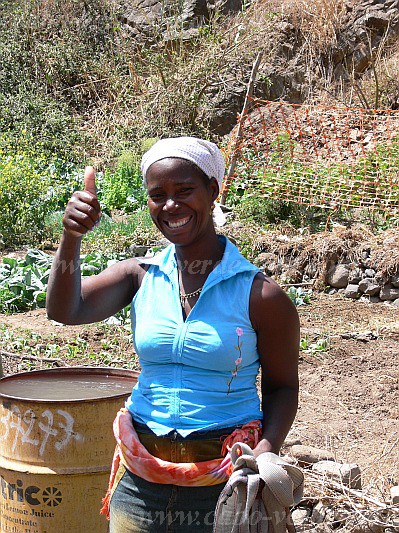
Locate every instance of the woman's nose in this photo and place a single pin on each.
(170, 204)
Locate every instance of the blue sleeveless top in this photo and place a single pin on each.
(198, 373)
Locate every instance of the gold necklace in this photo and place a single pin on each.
(184, 297)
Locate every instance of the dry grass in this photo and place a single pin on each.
(175, 87)
(319, 21)
(319, 249)
(351, 508)
(379, 87)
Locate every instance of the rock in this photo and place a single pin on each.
(364, 336)
(376, 20)
(151, 19)
(338, 275)
(288, 459)
(309, 454)
(355, 275)
(138, 251)
(348, 474)
(365, 254)
(369, 287)
(370, 273)
(388, 292)
(319, 513)
(374, 300)
(300, 516)
(395, 523)
(291, 442)
(339, 517)
(364, 299)
(395, 494)
(366, 263)
(352, 291)
(395, 303)
(395, 281)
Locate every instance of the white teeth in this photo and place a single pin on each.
(179, 223)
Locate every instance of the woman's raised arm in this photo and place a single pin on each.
(70, 299)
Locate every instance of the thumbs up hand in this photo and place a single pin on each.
(83, 210)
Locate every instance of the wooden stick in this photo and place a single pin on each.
(304, 284)
(234, 157)
(31, 357)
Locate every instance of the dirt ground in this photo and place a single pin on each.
(349, 400)
(350, 394)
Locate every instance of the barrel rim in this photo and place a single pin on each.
(85, 370)
(29, 468)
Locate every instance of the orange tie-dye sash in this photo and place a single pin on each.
(138, 460)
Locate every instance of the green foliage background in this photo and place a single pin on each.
(76, 89)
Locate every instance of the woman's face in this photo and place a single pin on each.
(180, 199)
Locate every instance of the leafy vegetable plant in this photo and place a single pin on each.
(299, 296)
(23, 282)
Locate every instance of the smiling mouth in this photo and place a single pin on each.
(178, 223)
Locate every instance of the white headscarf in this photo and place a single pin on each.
(205, 154)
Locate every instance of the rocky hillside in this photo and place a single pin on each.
(310, 50)
(93, 79)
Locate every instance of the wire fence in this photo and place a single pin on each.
(327, 157)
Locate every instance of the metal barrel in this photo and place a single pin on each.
(56, 447)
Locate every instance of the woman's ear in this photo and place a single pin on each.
(214, 186)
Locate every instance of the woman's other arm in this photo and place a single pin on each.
(276, 322)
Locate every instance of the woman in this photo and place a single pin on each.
(204, 319)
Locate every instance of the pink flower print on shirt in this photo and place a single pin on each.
(238, 361)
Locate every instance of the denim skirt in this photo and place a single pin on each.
(141, 506)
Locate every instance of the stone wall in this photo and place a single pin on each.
(352, 262)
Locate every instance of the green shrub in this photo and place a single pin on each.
(266, 212)
(123, 189)
(23, 282)
(29, 120)
(262, 179)
(25, 197)
(55, 62)
(110, 236)
(31, 187)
